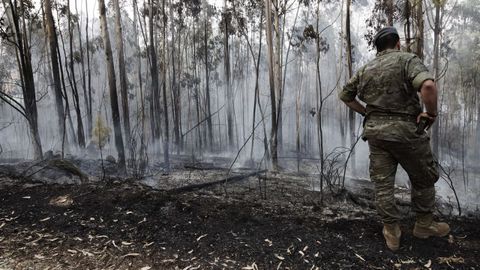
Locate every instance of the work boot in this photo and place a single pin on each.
(392, 234)
(424, 229)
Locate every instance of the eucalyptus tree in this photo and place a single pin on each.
(83, 73)
(176, 28)
(15, 33)
(348, 42)
(122, 73)
(155, 95)
(227, 29)
(272, 65)
(250, 20)
(117, 128)
(163, 68)
(53, 46)
(72, 75)
(437, 29)
(419, 37)
(89, 74)
(207, 32)
(141, 100)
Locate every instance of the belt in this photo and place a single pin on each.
(406, 118)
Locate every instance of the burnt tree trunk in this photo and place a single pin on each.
(278, 72)
(122, 74)
(420, 28)
(207, 84)
(351, 113)
(256, 96)
(117, 128)
(166, 139)
(89, 74)
(436, 67)
(271, 75)
(228, 83)
(177, 109)
(142, 152)
(154, 74)
(19, 28)
(84, 82)
(53, 46)
(407, 15)
(73, 82)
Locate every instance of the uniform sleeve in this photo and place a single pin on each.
(349, 91)
(417, 72)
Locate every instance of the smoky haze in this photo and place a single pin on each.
(206, 98)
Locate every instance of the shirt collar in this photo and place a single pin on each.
(387, 51)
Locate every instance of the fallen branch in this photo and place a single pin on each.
(201, 122)
(360, 200)
(231, 179)
(203, 167)
(368, 201)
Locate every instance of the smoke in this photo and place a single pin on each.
(185, 47)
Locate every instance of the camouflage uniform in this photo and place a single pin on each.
(389, 85)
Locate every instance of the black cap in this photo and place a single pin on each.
(384, 32)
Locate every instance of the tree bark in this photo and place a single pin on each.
(89, 73)
(112, 86)
(53, 46)
(154, 73)
(207, 83)
(319, 105)
(195, 90)
(407, 25)
(256, 97)
(122, 74)
(26, 73)
(420, 28)
(64, 86)
(142, 152)
(228, 84)
(278, 72)
(73, 82)
(436, 68)
(351, 113)
(84, 82)
(177, 109)
(166, 142)
(271, 74)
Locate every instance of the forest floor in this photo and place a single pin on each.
(274, 223)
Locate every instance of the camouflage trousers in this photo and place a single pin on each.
(417, 159)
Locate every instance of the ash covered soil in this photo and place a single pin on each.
(117, 224)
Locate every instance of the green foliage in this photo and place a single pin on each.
(301, 37)
(227, 23)
(378, 19)
(309, 32)
(100, 133)
(440, 3)
(77, 58)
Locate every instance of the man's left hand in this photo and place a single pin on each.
(431, 119)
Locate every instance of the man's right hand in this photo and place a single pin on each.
(426, 115)
(430, 119)
(428, 92)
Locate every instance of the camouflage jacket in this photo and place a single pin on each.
(389, 86)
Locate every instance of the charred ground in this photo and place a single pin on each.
(121, 224)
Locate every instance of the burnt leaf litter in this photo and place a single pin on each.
(272, 222)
